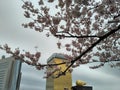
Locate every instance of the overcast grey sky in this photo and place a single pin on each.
(12, 33)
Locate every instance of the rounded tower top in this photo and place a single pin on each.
(56, 55)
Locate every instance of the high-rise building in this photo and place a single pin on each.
(10, 73)
(63, 82)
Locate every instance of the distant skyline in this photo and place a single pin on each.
(12, 33)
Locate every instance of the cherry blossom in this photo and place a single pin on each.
(91, 26)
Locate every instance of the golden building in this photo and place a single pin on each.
(63, 82)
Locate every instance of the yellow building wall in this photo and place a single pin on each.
(64, 81)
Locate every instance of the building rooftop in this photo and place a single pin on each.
(56, 55)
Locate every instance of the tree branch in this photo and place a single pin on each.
(72, 36)
(53, 64)
(93, 45)
(117, 16)
(62, 34)
(114, 21)
(106, 61)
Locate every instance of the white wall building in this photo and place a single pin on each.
(10, 73)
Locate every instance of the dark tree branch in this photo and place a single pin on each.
(73, 36)
(106, 61)
(116, 16)
(114, 21)
(93, 45)
(53, 64)
(103, 63)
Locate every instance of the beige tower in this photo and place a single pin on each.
(63, 82)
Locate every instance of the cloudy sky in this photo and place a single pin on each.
(12, 33)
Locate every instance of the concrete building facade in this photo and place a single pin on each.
(10, 74)
(63, 82)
